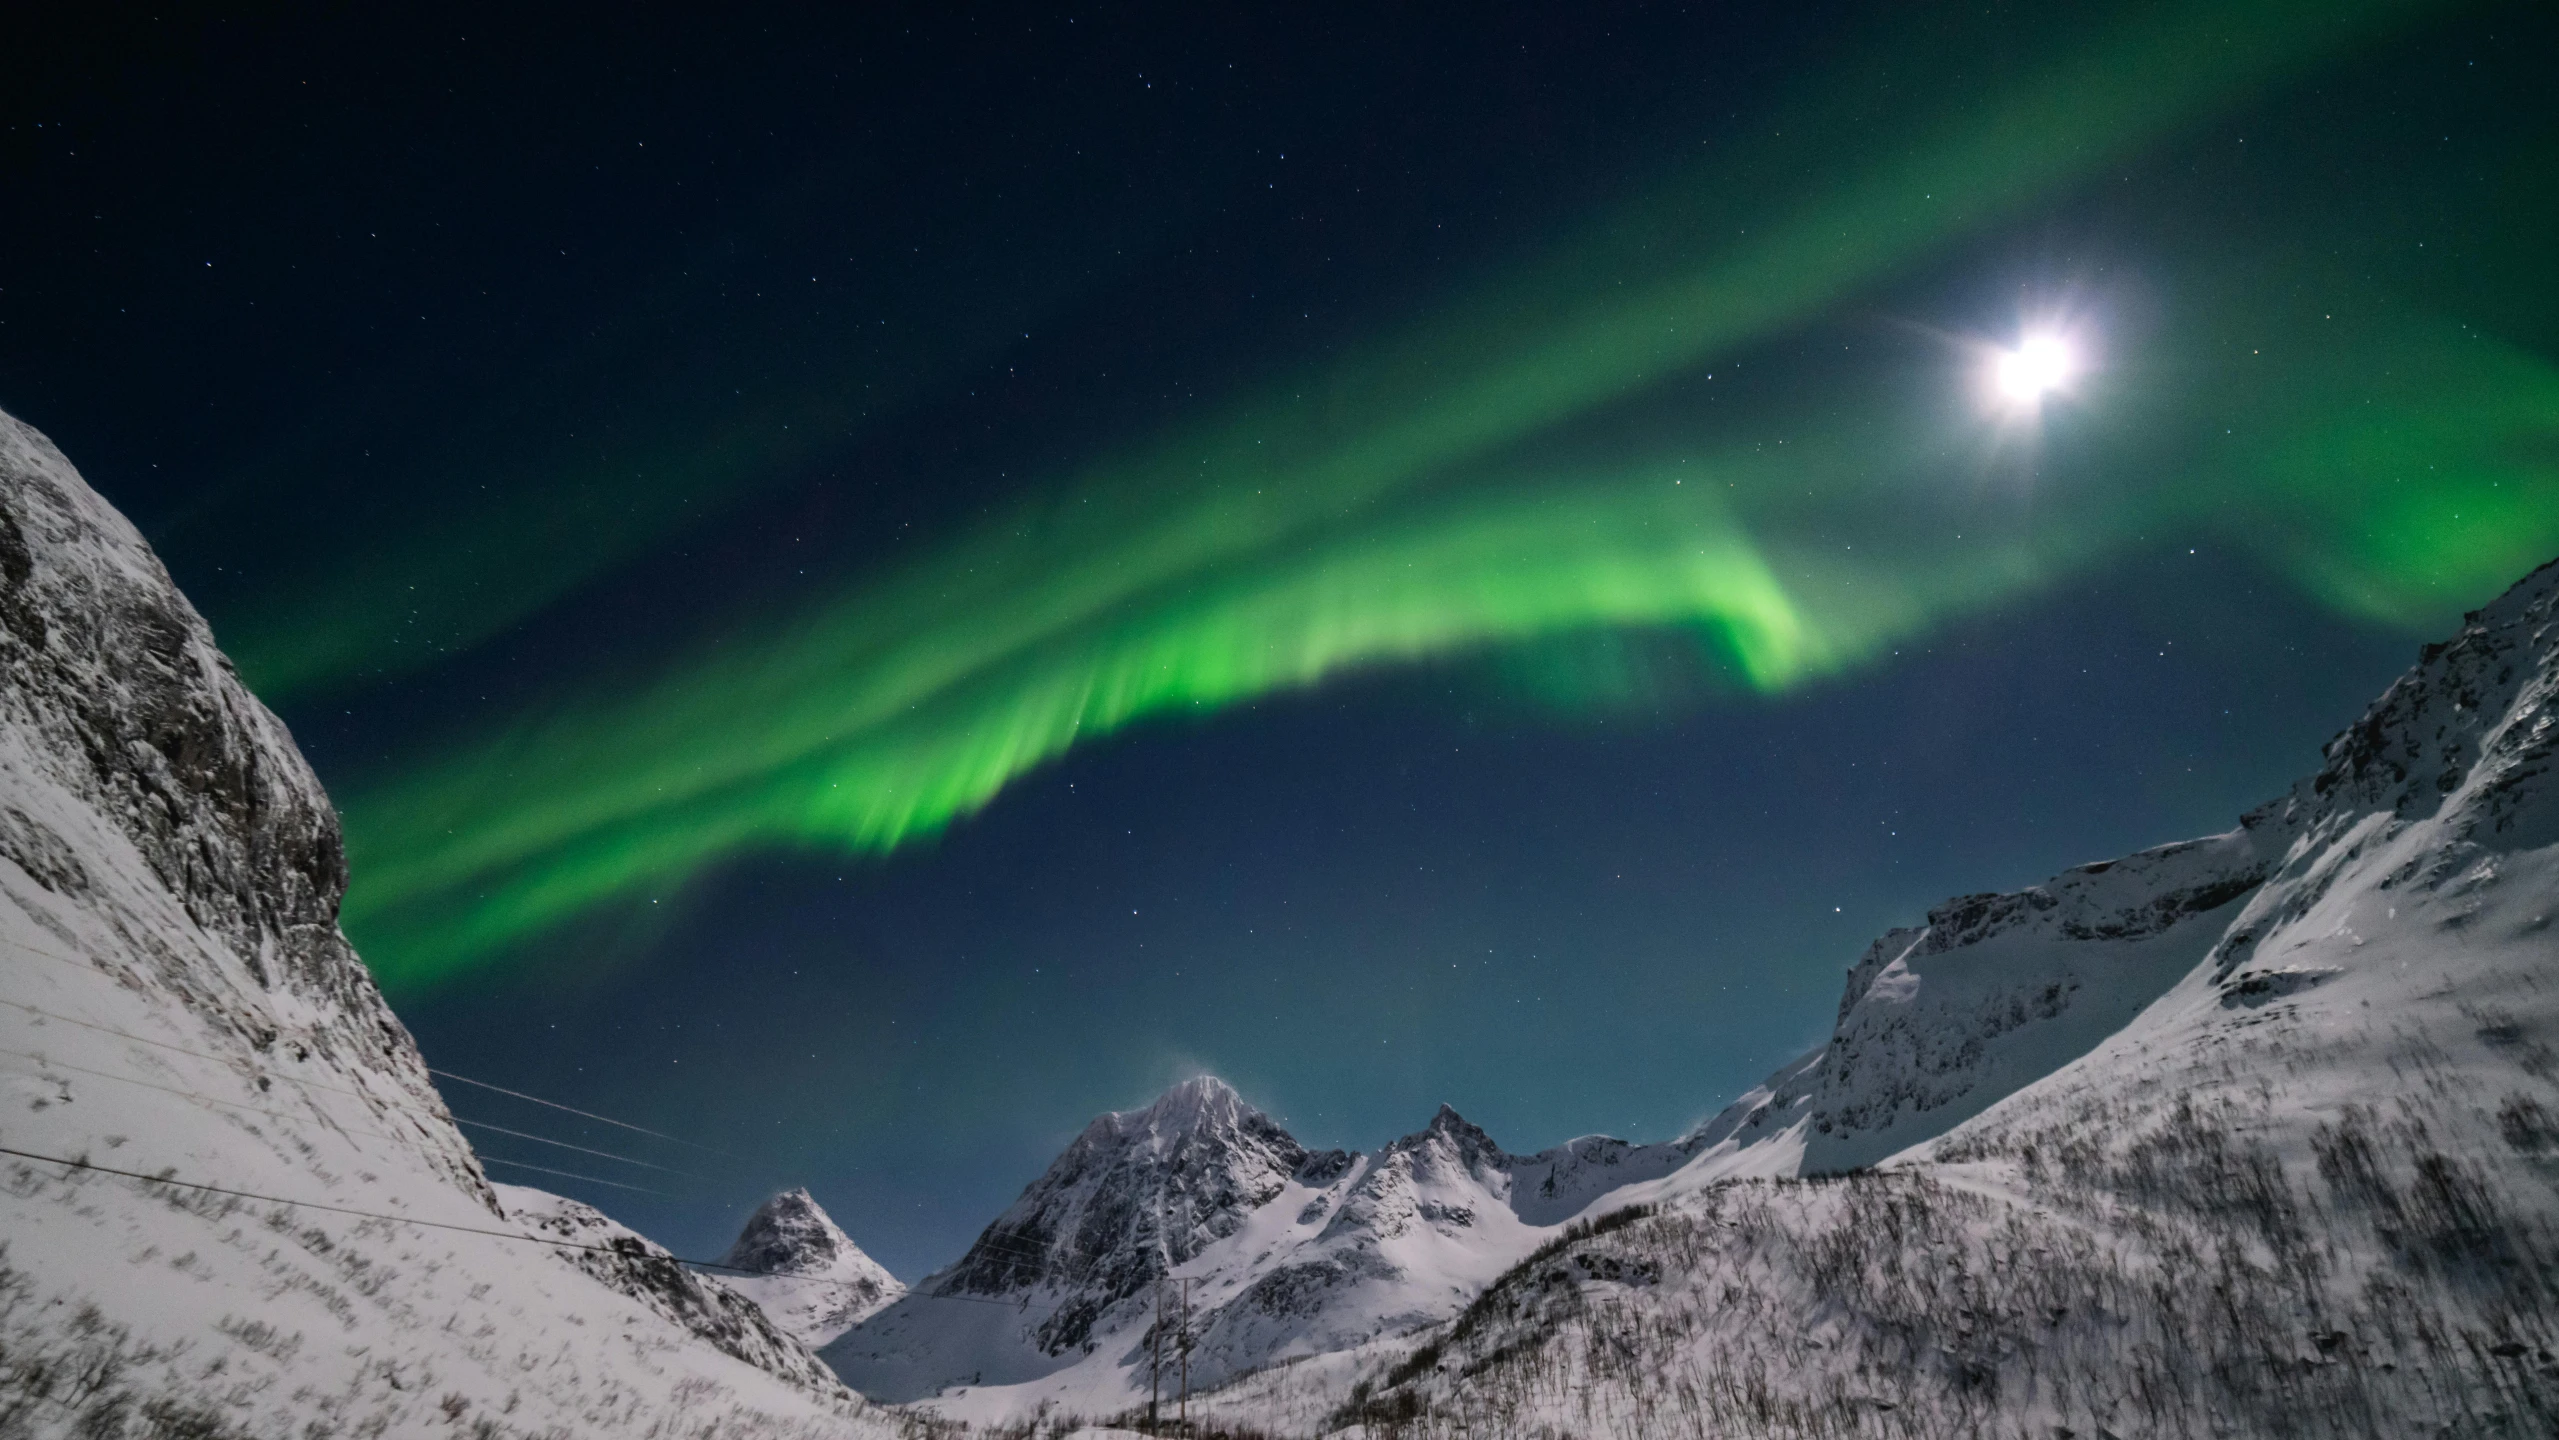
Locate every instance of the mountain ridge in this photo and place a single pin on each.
(2311, 1188)
(182, 1005)
(1940, 1027)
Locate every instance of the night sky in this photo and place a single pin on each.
(871, 584)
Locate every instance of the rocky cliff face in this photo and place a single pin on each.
(150, 794)
(235, 1205)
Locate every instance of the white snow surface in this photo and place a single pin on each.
(176, 1002)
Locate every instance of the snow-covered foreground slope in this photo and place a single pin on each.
(176, 1003)
(2312, 1189)
(809, 1277)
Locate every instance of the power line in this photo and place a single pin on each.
(1050, 1266)
(92, 969)
(573, 1110)
(313, 1204)
(581, 1149)
(56, 1064)
(182, 1050)
(322, 1116)
(571, 1174)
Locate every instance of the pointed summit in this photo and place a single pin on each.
(1198, 1097)
(789, 1235)
(1202, 1108)
(1459, 1135)
(1140, 1191)
(806, 1273)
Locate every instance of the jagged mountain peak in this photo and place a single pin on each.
(790, 1234)
(1455, 1133)
(1137, 1193)
(1940, 1024)
(1202, 1106)
(805, 1271)
(2413, 747)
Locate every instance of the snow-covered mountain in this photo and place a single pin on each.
(2310, 1188)
(806, 1274)
(233, 1204)
(1940, 1021)
(2248, 1134)
(1293, 1253)
(1288, 1252)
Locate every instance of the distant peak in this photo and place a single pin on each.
(1456, 1130)
(789, 1234)
(1196, 1089)
(1200, 1101)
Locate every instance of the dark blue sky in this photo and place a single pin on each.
(310, 294)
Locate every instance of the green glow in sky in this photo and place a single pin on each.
(1438, 493)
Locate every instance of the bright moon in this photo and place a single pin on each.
(2038, 366)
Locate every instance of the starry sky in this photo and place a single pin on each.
(872, 583)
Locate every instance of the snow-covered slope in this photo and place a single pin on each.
(806, 1273)
(176, 1002)
(1940, 1021)
(1288, 1252)
(2310, 1189)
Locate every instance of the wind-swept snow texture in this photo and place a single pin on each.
(176, 1001)
(805, 1272)
(2310, 1190)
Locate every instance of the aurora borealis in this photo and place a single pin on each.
(1285, 542)
(902, 456)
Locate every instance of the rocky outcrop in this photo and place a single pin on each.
(128, 738)
(236, 1204)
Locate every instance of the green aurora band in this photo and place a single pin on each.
(1439, 494)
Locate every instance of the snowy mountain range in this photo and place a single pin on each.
(2247, 1134)
(1287, 1252)
(232, 1203)
(2310, 1186)
(2252, 1134)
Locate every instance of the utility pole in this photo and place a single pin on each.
(1163, 1263)
(1186, 1356)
